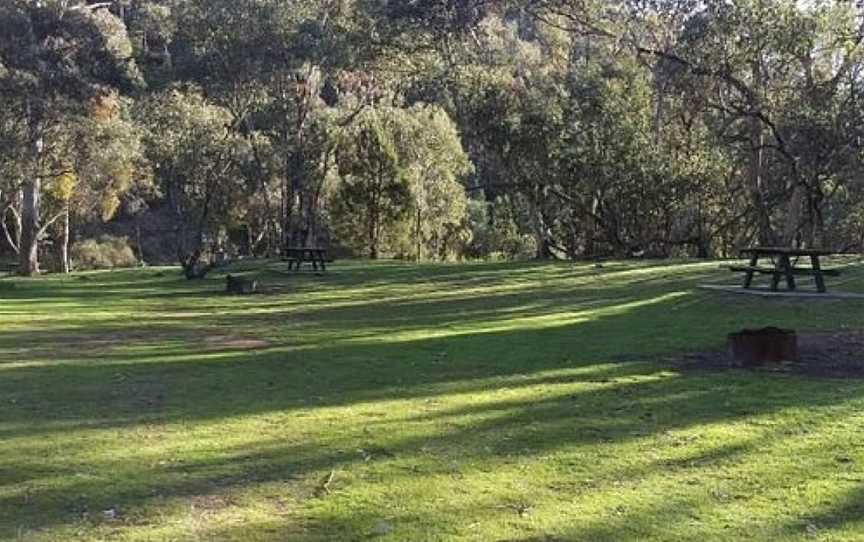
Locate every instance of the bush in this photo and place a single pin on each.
(495, 233)
(107, 252)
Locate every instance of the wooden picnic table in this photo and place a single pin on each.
(296, 256)
(784, 267)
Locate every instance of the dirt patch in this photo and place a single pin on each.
(233, 342)
(837, 354)
(111, 344)
(208, 504)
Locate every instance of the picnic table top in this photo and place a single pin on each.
(788, 251)
(315, 249)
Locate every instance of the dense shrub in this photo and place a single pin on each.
(106, 252)
(495, 233)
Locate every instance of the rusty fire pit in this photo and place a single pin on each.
(767, 345)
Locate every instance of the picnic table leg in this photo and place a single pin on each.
(775, 279)
(817, 274)
(748, 277)
(786, 265)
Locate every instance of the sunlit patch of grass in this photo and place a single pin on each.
(390, 401)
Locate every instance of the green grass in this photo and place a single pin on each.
(488, 402)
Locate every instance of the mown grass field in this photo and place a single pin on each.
(487, 402)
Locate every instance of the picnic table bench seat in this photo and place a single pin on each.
(784, 267)
(773, 270)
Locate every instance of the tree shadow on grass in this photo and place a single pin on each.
(365, 363)
(291, 321)
(614, 403)
(516, 430)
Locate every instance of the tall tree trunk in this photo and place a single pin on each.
(703, 241)
(374, 217)
(138, 239)
(793, 215)
(757, 151)
(29, 248)
(817, 219)
(591, 227)
(757, 195)
(64, 242)
(542, 250)
(373, 235)
(418, 232)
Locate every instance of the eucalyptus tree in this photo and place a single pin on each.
(277, 67)
(55, 57)
(775, 81)
(374, 192)
(12, 141)
(436, 166)
(103, 162)
(197, 162)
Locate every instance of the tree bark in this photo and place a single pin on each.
(29, 248)
(13, 238)
(138, 239)
(64, 242)
(793, 215)
(373, 235)
(418, 232)
(591, 227)
(765, 234)
(542, 250)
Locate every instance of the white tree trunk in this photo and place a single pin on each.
(29, 248)
(64, 243)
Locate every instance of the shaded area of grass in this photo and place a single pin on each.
(400, 402)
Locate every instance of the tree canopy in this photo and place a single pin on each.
(430, 129)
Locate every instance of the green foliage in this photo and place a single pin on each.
(197, 160)
(400, 187)
(508, 241)
(104, 152)
(69, 52)
(374, 192)
(436, 166)
(607, 127)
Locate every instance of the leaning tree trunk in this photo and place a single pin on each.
(29, 248)
(13, 238)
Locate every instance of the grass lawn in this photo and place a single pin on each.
(488, 402)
